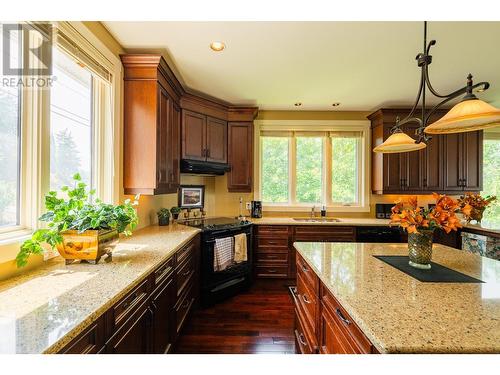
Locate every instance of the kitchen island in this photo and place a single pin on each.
(349, 301)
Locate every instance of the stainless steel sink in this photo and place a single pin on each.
(317, 219)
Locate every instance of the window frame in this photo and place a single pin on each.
(35, 135)
(325, 126)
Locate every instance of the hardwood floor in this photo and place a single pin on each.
(258, 321)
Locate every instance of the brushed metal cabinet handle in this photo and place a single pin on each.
(342, 317)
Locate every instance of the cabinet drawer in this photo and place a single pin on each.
(308, 302)
(90, 342)
(324, 233)
(268, 257)
(272, 271)
(183, 307)
(349, 330)
(124, 309)
(164, 271)
(184, 275)
(302, 344)
(307, 274)
(272, 230)
(272, 243)
(184, 252)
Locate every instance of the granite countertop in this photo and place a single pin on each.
(343, 221)
(400, 314)
(42, 310)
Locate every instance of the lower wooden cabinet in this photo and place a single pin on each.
(321, 324)
(149, 318)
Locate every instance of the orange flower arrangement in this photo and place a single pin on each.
(409, 216)
(473, 205)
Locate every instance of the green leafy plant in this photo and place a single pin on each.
(175, 210)
(163, 213)
(77, 212)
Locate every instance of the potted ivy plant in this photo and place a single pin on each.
(80, 228)
(163, 216)
(175, 212)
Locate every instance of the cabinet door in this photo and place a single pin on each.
(175, 146)
(392, 168)
(410, 165)
(432, 164)
(162, 305)
(453, 163)
(216, 140)
(472, 160)
(240, 155)
(193, 135)
(134, 337)
(163, 138)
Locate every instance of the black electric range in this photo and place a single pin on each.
(217, 286)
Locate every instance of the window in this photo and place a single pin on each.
(305, 166)
(491, 176)
(48, 133)
(345, 168)
(309, 170)
(275, 169)
(10, 145)
(70, 122)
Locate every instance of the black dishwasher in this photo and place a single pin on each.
(379, 234)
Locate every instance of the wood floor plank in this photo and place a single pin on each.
(259, 321)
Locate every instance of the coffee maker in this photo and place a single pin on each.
(256, 209)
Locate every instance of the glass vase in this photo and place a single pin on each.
(420, 248)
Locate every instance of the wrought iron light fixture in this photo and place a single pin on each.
(469, 114)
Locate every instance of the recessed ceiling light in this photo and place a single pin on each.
(298, 104)
(217, 46)
(336, 104)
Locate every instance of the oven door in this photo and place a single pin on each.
(211, 279)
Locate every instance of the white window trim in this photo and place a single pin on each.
(362, 126)
(35, 138)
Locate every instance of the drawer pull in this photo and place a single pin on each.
(185, 304)
(272, 256)
(271, 271)
(304, 268)
(342, 317)
(302, 339)
(305, 299)
(186, 273)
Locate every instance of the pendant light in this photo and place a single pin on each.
(399, 142)
(470, 114)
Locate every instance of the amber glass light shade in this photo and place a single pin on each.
(466, 116)
(399, 142)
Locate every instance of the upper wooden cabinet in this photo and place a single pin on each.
(151, 126)
(449, 164)
(204, 138)
(164, 122)
(240, 135)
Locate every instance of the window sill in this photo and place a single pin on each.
(14, 236)
(307, 208)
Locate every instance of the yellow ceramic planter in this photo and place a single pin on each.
(88, 246)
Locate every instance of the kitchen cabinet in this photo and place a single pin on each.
(204, 138)
(149, 318)
(240, 156)
(321, 323)
(463, 161)
(151, 123)
(449, 163)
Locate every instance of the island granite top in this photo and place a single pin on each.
(400, 314)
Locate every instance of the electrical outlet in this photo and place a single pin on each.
(248, 205)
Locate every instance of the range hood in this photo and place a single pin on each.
(203, 167)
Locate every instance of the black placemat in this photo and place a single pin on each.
(437, 273)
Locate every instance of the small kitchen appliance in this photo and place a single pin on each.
(256, 209)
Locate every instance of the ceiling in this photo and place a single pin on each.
(362, 65)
